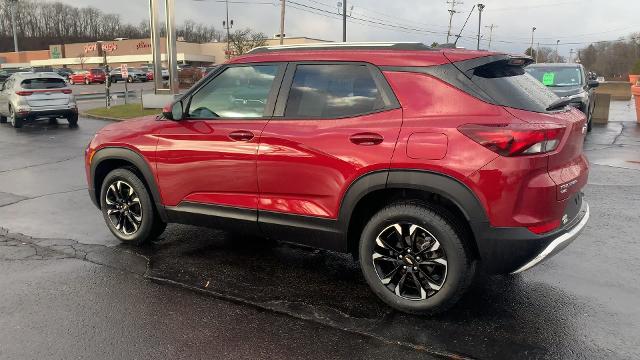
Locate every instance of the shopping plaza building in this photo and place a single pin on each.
(134, 52)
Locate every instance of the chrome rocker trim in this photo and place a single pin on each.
(563, 240)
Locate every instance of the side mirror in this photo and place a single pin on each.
(593, 84)
(173, 111)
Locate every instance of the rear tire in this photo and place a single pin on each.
(73, 120)
(3, 119)
(87, 82)
(420, 244)
(70, 81)
(15, 121)
(128, 209)
(129, 79)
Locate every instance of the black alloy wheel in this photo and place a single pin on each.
(128, 209)
(124, 208)
(415, 257)
(409, 261)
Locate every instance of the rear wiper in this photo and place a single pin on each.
(558, 104)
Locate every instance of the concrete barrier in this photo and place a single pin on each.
(601, 111)
(619, 90)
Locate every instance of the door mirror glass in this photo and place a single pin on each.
(173, 111)
(593, 84)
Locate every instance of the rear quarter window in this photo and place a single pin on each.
(43, 83)
(509, 85)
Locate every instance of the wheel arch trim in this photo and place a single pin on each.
(444, 185)
(133, 157)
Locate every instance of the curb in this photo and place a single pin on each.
(95, 117)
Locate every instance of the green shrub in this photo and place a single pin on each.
(636, 68)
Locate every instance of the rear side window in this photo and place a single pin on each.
(509, 85)
(97, 72)
(43, 83)
(332, 91)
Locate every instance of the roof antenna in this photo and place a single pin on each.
(465, 24)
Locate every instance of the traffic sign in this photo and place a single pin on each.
(124, 69)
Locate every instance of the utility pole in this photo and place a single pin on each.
(480, 8)
(537, 51)
(490, 34)
(451, 12)
(533, 30)
(344, 20)
(14, 4)
(282, 21)
(570, 55)
(557, 43)
(228, 25)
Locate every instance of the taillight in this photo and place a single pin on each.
(24, 93)
(515, 139)
(66, 91)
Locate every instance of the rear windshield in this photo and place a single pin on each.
(557, 76)
(97, 71)
(509, 85)
(43, 83)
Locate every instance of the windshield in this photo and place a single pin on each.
(43, 83)
(557, 76)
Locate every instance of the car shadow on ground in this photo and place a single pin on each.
(40, 125)
(499, 317)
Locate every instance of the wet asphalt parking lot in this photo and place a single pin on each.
(69, 289)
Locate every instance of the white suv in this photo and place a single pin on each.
(29, 96)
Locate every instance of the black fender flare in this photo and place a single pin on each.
(424, 180)
(126, 154)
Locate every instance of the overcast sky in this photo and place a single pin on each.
(574, 22)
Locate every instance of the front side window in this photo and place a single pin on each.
(238, 92)
(332, 91)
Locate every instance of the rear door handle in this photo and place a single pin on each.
(366, 139)
(241, 135)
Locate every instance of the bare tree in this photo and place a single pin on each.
(243, 40)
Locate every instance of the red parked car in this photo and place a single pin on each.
(424, 163)
(91, 76)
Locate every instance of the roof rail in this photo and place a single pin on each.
(344, 46)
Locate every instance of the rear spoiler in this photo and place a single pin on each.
(515, 60)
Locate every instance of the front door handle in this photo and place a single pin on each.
(241, 135)
(366, 139)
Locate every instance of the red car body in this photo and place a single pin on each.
(311, 176)
(92, 76)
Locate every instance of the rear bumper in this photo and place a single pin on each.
(513, 250)
(47, 112)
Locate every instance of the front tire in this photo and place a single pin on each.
(414, 258)
(70, 81)
(87, 82)
(3, 119)
(128, 209)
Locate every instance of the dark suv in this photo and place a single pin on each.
(424, 163)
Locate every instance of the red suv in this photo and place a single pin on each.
(88, 77)
(424, 163)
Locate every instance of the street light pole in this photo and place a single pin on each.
(480, 8)
(282, 22)
(344, 20)
(14, 3)
(533, 29)
(228, 25)
(557, 42)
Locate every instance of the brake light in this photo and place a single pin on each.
(515, 139)
(66, 91)
(24, 93)
(544, 227)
